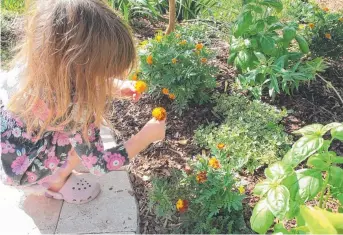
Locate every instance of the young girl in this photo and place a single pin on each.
(72, 51)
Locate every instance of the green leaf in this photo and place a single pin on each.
(262, 218)
(260, 57)
(291, 182)
(276, 26)
(303, 45)
(337, 159)
(259, 26)
(278, 170)
(272, 20)
(293, 209)
(243, 23)
(279, 228)
(310, 183)
(328, 127)
(273, 3)
(288, 33)
(278, 201)
(337, 132)
(268, 44)
(314, 129)
(253, 7)
(336, 179)
(231, 58)
(305, 147)
(317, 162)
(262, 188)
(316, 221)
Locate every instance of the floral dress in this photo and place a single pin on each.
(27, 160)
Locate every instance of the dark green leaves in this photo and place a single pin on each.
(267, 44)
(310, 183)
(262, 218)
(276, 4)
(243, 23)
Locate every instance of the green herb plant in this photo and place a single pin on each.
(287, 187)
(250, 131)
(264, 51)
(178, 66)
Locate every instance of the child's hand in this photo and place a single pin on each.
(127, 90)
(154, 130)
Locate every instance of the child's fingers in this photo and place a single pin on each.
(136, 96)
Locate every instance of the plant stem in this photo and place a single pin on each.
(332, 87)
(325, 186)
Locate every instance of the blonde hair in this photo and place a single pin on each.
(72, 50)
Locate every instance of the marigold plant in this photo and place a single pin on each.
(165, 91)
(159, 113)
(201, 177)
(221, 146)
(141, 86)
(172, 64)
(214, 163)
(182, 205)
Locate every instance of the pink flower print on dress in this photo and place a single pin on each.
(114, 161)
(21, 163)
(7, 147)
(31, 177)
(16, 132)
(52, 162)
(97, 170)
(91, 132)
(26, 135)
(89, 161)
(61, 139)
(99, 146)
(9, 181)
(19, 122)
(78, 138)
(7, 134)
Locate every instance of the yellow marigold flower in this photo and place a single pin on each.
(159, 113)
(326, 9)
(199, 46)
(341, 19)
(144, 43)
(159, 38)
(165, 91)
(214, 163)
(172, 96)
(174, 60)
(135, 77)
(141, 86)
(328, 36)
(201, 177)
(181, 205)
(183, 42)
(149, 59)
(241, 189)
(311, 25)
(178, 35)
(220, 146)
(301, 26)
(203, 60)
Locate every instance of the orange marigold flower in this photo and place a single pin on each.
(141, 86)
(159, 113)
(214, 163)
(165, 91)
(199, 46)
(172, 96)
(135, 77)
(326, 9)
(311, 25)
(341, 19)
(183, 42)
(328, 36)
(201, 177)
(220, 146)
(203, 60)
(149, 59)
(178, 35)
(182, 205)
(174, 60)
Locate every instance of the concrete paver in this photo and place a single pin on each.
(114, 211)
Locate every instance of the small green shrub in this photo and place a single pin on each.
(263, 50)
(178, 66)
(17, 6)
(322, 28)
(204, 194)
(286, 189)
(250, 131)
